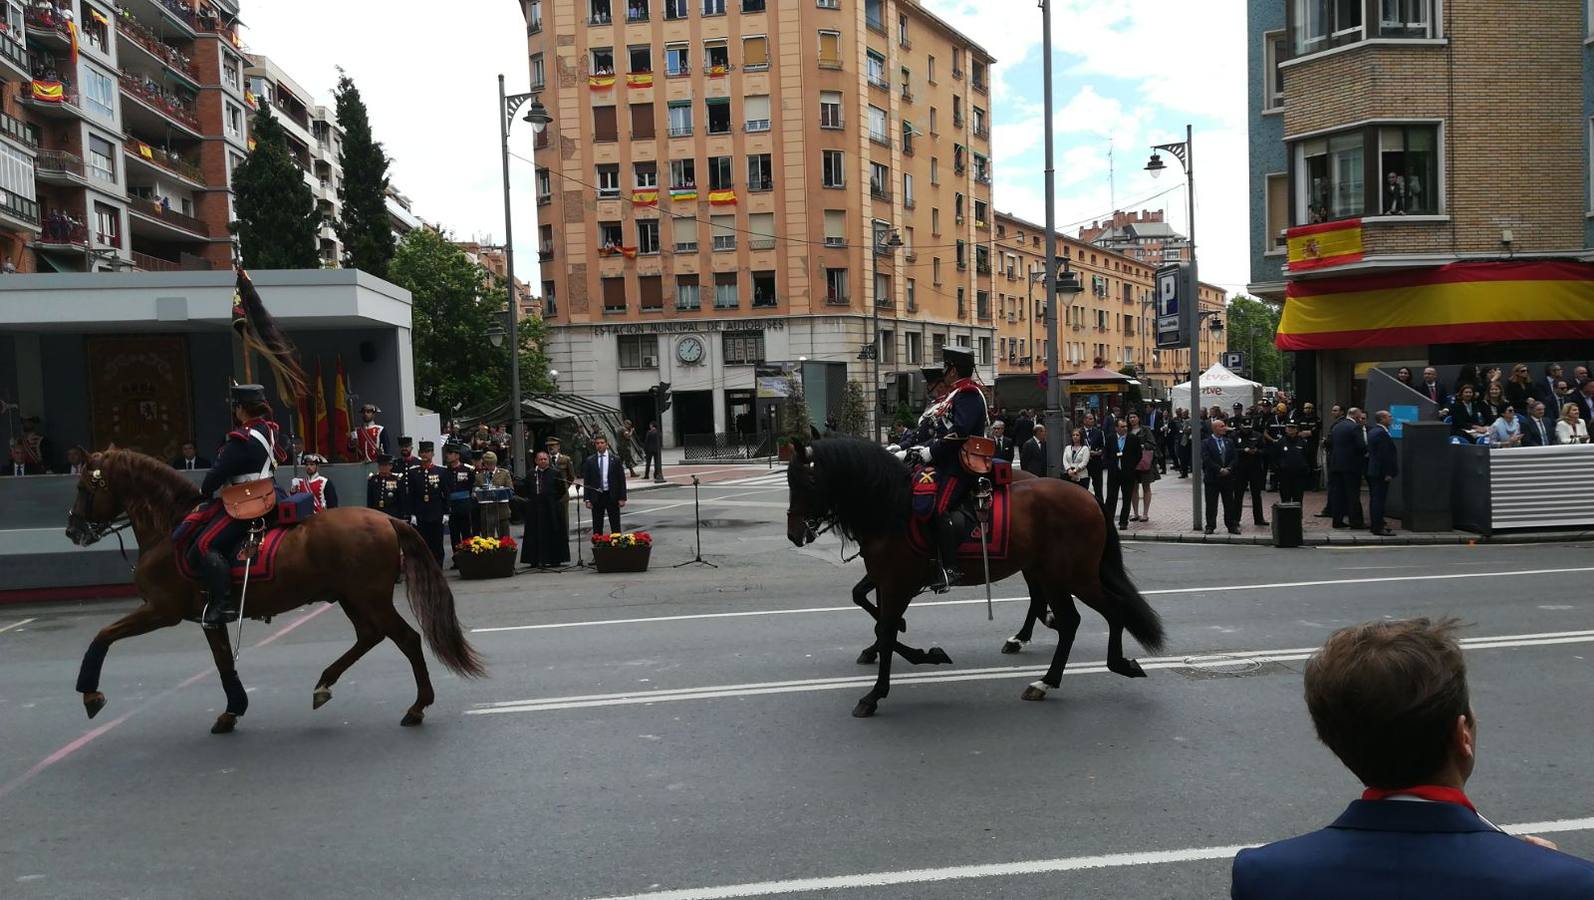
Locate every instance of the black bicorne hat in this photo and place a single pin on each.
(248, 393)
(932, 373)
(961, 357)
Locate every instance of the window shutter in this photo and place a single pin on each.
(755, 52)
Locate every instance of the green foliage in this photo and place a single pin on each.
(854, 411)
(364, 228)
(277, 221)
(794, 420)
(905, 415)
(455, 304)
(1252, 326)
(1132, 396)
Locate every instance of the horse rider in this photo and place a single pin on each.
(960, 415)
(250, 454)
(924, 432)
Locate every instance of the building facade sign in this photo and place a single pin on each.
(686, 327)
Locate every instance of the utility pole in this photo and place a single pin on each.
(1054, 411)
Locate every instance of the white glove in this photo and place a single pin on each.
(893, 448)
(924, 454)
(899, 453)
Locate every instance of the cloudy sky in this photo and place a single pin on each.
(1127, 74)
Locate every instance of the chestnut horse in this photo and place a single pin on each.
(1060, 540)
(350, 556)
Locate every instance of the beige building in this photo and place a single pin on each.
(714, 181)
(1108, 320)
(314, 141)
(492, 258)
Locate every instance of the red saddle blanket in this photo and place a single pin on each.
(263, 567)
(931, 498)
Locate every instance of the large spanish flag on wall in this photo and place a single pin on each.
(1325, 244)
(1462, 303)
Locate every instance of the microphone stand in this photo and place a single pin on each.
(697, 516)
(580, 530)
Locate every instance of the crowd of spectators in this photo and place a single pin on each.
(1510, 409)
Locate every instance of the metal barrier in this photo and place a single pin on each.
(733, 445)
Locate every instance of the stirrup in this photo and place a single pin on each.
(226, 617)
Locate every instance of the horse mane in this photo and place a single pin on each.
(154, 491)
(863, 485)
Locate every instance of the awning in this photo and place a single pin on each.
(1462, 303)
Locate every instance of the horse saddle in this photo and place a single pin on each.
(931, 498)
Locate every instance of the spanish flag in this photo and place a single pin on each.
(49, 91)
(306, 420)
(722, 198)
(600, 82)
(1462, 303)
(71, 33)
(628, 252)
(639, 79)
(323, 435)
(145, 151)
(340, 410)
(683, 195)
(99, 17)
(1325, 244)
(717, 71)
(645, 198)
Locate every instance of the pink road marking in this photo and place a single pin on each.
(89, 736)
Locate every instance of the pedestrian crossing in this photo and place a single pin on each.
(775, 479)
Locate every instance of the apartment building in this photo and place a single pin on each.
(1143, 235)
(314, 141)
(1419, 182)
(717, 186)
(492, 258)
(119, 130)
(1110, 319)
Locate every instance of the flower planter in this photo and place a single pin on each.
(492, 564)
(621, 559)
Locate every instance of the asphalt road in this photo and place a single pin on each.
(687, 730)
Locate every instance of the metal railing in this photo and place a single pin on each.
(19, 206)
(133, 83)
(728, 445)
(170, 216)
(59, 161)
(18, 130)
(189, 263)
(136, 32)
(15, 51)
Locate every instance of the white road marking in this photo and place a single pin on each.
(1010, 869)
(16, 625)
(708, 501)
(927, 603)
(814, 685)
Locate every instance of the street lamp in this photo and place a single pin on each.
(886, 240)
(1185, 153)
(538, 116)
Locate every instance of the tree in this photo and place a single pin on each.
(277, 221)
(364, 227)
(456, 303)
(854, 411)
(1252, 327)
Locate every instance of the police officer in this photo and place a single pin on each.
(423, 488)
(459, 479)
(384, 490)
(959, 415)
(1294, 464)
(1250, 468)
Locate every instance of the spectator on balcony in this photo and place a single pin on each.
(1468, 418)
(1494, 402)
(18, 463)
(1507, 429)
(1519, 388)
(1536, 430)
(1571, 429)
(1430, 385)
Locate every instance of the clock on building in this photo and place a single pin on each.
(689, 350)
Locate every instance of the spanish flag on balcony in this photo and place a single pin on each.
(1325, 244)
(71, 33)
(644, 198)
(49, 91)
(683, 195)
(249, 98)
(600, 82)
(718, 71)
(722, 198)
(617, 250)
(98, 16)
(639, 79)
(1462, 303)
(145, 151)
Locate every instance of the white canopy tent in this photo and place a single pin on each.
(1219, 387)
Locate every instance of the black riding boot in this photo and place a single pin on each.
(220, 606)
(948, 540)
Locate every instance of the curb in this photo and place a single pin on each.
(1358, 539)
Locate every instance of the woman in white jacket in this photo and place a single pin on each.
(1076, 458)
(1571, 429)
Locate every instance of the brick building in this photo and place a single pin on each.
(1419, 182)
(1109, 319)
(119, 130)
(1143, 235)
(714, 184)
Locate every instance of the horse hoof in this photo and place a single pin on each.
(864, 709)
(93, 703)
(412, 718)
(936, 656)
(1033, 693)
(320, 697)
(868, 658)
(1127, 668)
(1012, 645)
(224, 724)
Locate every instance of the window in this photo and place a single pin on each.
(879, 181)
(235, 121)
(719, 173)
(641, 58)
(980, 219)
(637, 351)
(836, 286)
(929, 70)
(614, 301)
(102, 159)
(723, 231)
(935, 276)
(935, 128)
(963, 303)
(828, 4)
(829, 49)
(636, 10)
(985, 346)
(688, 293)
(609, 236)
(675, 60)
(539, 77)
(912, 295)
(982, 307)
(957, 207)
(742, 348)
(935, 171)
(957, 63)
(602, 60)
(982, 169)
(1331, 179)
(713, 7)
(935, 220)
(1405, 19)
(642, 121)
(647, 237)
(725, 291)
(674, 9)
(835, 228)
(1321, 24)
(16, 169)
(756, 111)
(719, 115)
(99, 93)
(550, 306)
(877, 70)
(604, 127)
(882, 291)
(717, 56)
(1408, 166)
(878, 120)
(761, 231)
(683, 173)
(902, 31)
(650, 290)
(685, 230)
(93, 28)
(888, 344)
(1275, 50)
(759, 173)
(763, 289)
(609, 181)
(977, 74)
(755, 54)
(957, 111)
(907, 241)
(907, 190)
(680, 115)
(834, 169)
(830, 109)
(906, 79)
(544, 243)
(534, 16)
(962, 254)
(872, 16)
(599, 10)
(1278, 210)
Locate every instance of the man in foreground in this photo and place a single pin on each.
(1390, 699)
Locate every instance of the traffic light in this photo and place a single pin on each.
(663, 396)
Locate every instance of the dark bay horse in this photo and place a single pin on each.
(1061, 541)
(350, 556)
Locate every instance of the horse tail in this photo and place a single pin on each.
(433, 605)
(1138, 617)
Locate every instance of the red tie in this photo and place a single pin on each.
(1424, 791)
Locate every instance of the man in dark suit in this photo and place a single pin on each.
(1584, 399)
(1383, 464)
(1096, 439)
(1390, 700)
(603, 485)
(1346, 466)
(1032, 456)
(652, 442)
(1430, 386)
(1023, 428)
(1123, 455)
(189, 459)
(1004, 444)
(1219, 455)
(18, 463)
(1537, 431)
(1544, 389)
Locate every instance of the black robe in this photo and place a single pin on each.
(544, 541)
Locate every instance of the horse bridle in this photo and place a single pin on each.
(98, 530)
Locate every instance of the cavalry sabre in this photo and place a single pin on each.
(982, 495)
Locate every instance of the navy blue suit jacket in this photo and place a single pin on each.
(1399, 849)
(1382, 459)
(1212, 461)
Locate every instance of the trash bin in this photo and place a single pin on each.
(1286, 524)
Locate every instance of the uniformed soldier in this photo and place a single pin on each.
(322, 490)
(459, 479)
(493, 506)
(424, 489)
(1250, 469)
(384, 490)
(924, 432)
(566, 469)
(959, 415)
(405, 459)
(368, 440)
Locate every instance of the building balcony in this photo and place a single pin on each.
(761, 242)
(59, 231)
(19, 132)
(18, 211)
(879, 81)
(52, 99)
(162, 216)
(760, 185)
(833, 298)
(161, 162)
(154, 107)
(47, 27)
(140, 41)
(189, 263)
(59, 167)
(14, 59)
(880, 192)
(167, 13)
(957, 120)
(980, 131)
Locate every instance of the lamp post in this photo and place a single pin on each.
(884, 240)
(539, 119)
(1054, 390)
